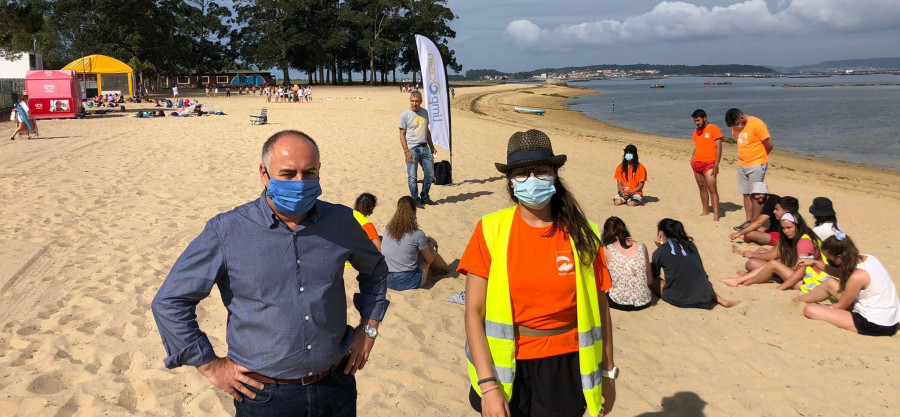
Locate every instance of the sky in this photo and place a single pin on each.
(521, 35)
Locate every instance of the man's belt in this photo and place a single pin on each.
(302, 381)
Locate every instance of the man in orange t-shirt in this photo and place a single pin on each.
(754, 146)
(705, 161)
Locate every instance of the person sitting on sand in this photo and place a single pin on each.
(826, 218)
(797, 241)
(686, 283)
(750, 232)
(364, 206)
(862, 284)
(758, 258)
(630, 178)
(409, 254)
(628, 265)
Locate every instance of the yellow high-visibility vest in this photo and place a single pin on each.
(363, 220)
(498, 320)
(812, 279)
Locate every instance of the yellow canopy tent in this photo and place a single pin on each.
(112, 74)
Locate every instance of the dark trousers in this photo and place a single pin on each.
(546, 387)
(334, 395)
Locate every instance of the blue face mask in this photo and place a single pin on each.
(629, 157)
(534, 192)
(294, 198)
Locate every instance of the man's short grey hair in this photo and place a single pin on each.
(270, 143)
(416, 94)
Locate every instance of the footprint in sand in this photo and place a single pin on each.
(50, 383)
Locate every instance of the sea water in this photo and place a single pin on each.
(852, 121)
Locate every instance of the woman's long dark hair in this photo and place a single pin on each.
(787, 248)
(568, 218)
(404, 220)
(625, 164)
(614, 229)
(674, 230)
(849, 254)
(365, 204)
(826, 219)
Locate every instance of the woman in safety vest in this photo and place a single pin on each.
(539, 336)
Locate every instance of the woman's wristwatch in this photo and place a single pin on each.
(611, 374)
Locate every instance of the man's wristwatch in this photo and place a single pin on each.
(370, 331)
(611, 374)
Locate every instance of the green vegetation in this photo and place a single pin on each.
(326, 39)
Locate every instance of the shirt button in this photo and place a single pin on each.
(301, 289)
(310, 374)
(298, 262)
(307, 317)
(308, 347)
(295, 233)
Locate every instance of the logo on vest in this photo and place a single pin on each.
(564, 265)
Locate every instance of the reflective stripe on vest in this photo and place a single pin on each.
(499, 326)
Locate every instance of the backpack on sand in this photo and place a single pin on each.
(443, 173)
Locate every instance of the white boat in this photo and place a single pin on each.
(531, 111)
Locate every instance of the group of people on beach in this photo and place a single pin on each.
(288, 94)
(540, 277)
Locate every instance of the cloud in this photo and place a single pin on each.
(680, 21)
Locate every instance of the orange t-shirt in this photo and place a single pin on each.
(705, 142)
(541, 284)
(370, 231)
(750, 142)
(633, 178)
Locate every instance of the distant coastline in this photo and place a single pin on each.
(497, 103)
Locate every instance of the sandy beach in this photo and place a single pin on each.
(94, 213)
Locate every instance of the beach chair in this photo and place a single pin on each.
(262, 119)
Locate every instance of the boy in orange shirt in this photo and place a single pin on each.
(754, 146)
(705, 161)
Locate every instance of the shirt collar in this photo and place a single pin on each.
(272, 219)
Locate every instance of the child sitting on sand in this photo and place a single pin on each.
(686, 283)
(409, 254)
(630, 178)
(862, 284)
(826, 218)
(797, 241)
(364, 206)
(769, 237)
(628, 265)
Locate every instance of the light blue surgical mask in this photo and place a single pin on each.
(294, 198)
(533, 192)
(629, 157)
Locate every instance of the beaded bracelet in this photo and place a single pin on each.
(489, 379)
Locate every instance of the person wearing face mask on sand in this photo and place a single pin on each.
(538, 330)
(630, 178)
(278, 262)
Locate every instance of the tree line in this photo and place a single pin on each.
(328, 40)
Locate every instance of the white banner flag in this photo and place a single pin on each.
(437, 102)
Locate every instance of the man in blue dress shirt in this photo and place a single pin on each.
(278, 263)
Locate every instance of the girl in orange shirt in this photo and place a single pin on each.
(542, 286)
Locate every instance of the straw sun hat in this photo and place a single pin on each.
(528, 149)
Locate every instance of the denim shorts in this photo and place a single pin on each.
(406, 280)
